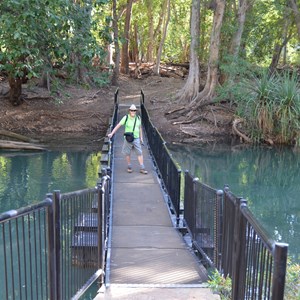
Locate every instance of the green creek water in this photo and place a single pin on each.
(268, 178)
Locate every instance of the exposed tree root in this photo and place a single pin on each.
(175, 110)
(237, 132)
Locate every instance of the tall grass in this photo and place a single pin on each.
(270, 105)
(287, 114)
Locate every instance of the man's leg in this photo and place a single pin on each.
(129, 167)
(141, 162)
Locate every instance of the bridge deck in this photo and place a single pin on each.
(147, 257)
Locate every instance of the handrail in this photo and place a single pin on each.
(167, 167)
(221, 226)
(15, 213)
(223, 229)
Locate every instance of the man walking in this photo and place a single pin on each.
(132, 124)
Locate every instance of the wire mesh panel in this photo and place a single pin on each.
(228, 232)
(168, 169)
(78, 240)
(189, 212)
(254, 261)
(24, 253)
(205, 219)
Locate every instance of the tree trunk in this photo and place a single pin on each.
(206, 95)
(150, 32)
(279, 45)
(15, 84)
(237, 36)
(82, 28)
(191, 87)
(125, 59)
(116, 71)
(296, 13)
(162, 41)
(203, 29)
(135, 47)
(235, 43)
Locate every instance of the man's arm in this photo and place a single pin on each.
(141, 135)
(114, 130)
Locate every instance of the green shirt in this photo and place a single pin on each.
(130, 123)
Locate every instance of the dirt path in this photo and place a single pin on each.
(76, 115)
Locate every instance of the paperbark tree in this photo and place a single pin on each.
(162, 41)
(125, 46)
(237, 36)
(235, 44)
(149, 55)
(282, 40)
(205, 97)
(191, 87)
(116, 70)
(295, 9)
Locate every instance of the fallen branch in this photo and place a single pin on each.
(190, 121)
(174, 110)
(16, 136)
(237, 132)
(11, 145)
(188, 133)
(96, 94)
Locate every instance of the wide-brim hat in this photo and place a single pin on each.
(132, 107)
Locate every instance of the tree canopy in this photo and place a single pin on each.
(223, 42)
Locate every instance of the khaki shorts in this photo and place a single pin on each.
(135, 146)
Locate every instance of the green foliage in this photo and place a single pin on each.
(37, 35)
(269, 104)
(220, 285)
(287, 113)
(292, 282)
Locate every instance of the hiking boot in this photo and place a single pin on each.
(143, 171)
(129, 170)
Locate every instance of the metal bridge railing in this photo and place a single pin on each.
(167, 167)
(229, 238)
(27, 252)
(254, 261)
(55, 249)
(222, 228)
(202, 216)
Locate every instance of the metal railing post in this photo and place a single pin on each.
(218, 228)
(195, 182)
(116, 96)
(100, 229)
(280, 261)
(177, 200)
(56, 211)
(238, 258)
(51, 250)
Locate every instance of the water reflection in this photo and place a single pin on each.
(26, 178)
(267, 178)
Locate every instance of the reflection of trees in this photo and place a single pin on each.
(29, 178)
(267, 178)
(17, 184)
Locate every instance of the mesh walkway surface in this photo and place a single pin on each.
(147, 257)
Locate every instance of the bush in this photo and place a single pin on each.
(270, 105)
(220, 285)
(292, 282)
